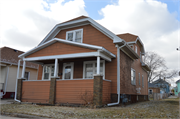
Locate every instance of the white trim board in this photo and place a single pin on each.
(94, 47)
(69, 56)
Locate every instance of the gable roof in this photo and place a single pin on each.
(80, 21)
(150, 85)
(54, 40)
(128, 37)
(160, 81)
(132, 39)
(10, 56)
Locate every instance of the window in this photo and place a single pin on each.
(68, 70)
(142, 81)
(48, 71)
(75, 35)
(133, 77)
(139, 79)
(90, 68)
(136, 49)
(150, 91)
(26, 75)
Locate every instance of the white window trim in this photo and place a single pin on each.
(134, 76)
(49, 72)
(68, 64)
(87, 62)
(28, 74)
(74, 31)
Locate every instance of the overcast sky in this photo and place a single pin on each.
(24, 23)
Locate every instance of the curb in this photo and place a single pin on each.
(23, 115)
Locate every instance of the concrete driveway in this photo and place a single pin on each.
(7, 117)
(6, 101)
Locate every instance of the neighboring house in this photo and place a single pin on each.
(177, 88)
(79, 59)
(163, 85)
(153, 88)
(9, 65)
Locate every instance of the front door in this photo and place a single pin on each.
(68, 70)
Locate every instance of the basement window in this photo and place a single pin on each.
(75, 35)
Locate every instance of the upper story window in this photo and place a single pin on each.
(75, 35)
(133, 77)
(136, 49)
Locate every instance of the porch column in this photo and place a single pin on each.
(19, 63)
(23, 70)
(55, 67)
(98, 65)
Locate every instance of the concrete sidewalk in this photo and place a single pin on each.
(6, 101)
(173, 96)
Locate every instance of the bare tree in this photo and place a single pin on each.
(158, 67)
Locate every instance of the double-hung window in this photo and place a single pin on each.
(75, 35)
(48, 72)
(133, 77)
(90, 68)
(139, 79)
(142, 81)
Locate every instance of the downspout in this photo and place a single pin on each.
(6, 79)
(17, 81)
(118, 74)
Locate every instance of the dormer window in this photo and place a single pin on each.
(75, 35)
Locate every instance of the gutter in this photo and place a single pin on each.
(118, 74)
(6, 79)
(17, 81)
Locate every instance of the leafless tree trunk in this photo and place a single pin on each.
(158, 67)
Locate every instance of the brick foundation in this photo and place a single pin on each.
(97, 93)
(19, 89)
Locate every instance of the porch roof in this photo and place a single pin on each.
(101, 51)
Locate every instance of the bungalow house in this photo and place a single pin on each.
(80, 61)
(8, 72)
(163, 85)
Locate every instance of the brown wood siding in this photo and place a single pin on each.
(106, 92)
(59, 49)
(35, 91)
(70, 91)
(94, 37)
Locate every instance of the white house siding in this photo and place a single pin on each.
(13, 75)
(2, 76)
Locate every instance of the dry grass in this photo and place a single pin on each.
(167, 108)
